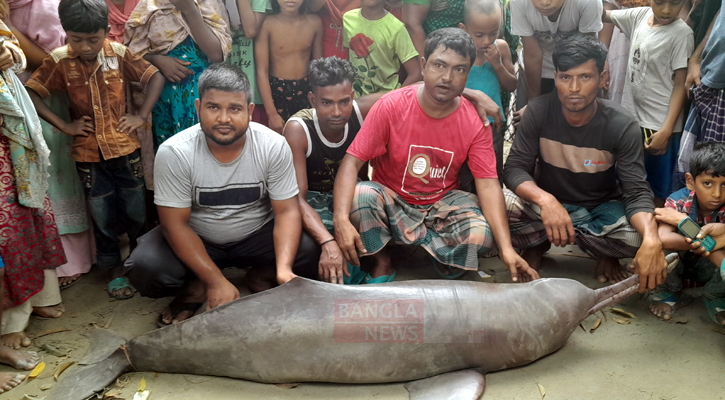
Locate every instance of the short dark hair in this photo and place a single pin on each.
(455, 39)
(83, 16)
(708, 158)
(330, 71)
(577, 50)
(276, 8)
(486, 7)
(225, 77)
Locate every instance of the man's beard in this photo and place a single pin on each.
(225, 140)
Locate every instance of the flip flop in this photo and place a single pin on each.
(118, 284)
(447, 271)
(357, 275)
(381, 279)
(176, 307)
(714, 307)
(71, 283)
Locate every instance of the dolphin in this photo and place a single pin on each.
(436, 335)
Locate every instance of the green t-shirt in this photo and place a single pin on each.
(242, 53)
(441, 14)
(377, 50)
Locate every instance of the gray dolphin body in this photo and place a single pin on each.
(308, 331)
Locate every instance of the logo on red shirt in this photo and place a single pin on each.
(426, 170)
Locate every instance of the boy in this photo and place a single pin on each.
(493, 69)
(654, 89)
(379, 45)
(282, 59)
(542, 24)
(92, 69)
(703, 200)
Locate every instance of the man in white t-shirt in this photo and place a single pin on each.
(542, 24)
(226, 194)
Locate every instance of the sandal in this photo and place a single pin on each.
(447, 271)
(714, 307)
(69, 284)
(177, 307)
(357, 275)
(118, 284)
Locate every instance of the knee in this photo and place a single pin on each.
(367, 194)
(153, 268)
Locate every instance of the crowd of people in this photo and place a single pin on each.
(241, 133)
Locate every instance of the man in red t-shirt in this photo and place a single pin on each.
(417, 138)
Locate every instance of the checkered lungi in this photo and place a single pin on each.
(323, 204)
(452, 230)
(601, 232)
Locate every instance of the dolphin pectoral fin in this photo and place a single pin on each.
(102, 344)
(460, 385)
(88, 380)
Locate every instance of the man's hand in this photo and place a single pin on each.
(557, 222)
(276, 122)
(650, 264)
(715, 231)
(657, 145)
(520, 270)
(488, 108)
(669, 216)
(518, 114)
(129, 123)
(332, 263)
(285, 277)
(83, 126)
(220, 293)
(174, 69)
(349, 240)
(693, 76)
(6, 58)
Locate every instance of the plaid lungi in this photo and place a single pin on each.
(601, 232)
(322, 203)
(452, 230)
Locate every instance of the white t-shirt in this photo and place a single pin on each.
(654, 55)
(228, 201)
(576, 16)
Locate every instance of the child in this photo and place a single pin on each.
(703, 200)
(493, 69)
(282, 59)
(92, 69)
(541, 25)
(654, 90)
(379, 45)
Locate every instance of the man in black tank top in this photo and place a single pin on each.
(319, 138)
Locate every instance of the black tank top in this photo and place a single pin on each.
(324, 157)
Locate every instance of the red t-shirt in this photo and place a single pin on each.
(418, 156)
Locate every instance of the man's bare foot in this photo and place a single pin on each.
(9, 380)
(66, 281)
(15, 340)
(185, 305)
(383, 265)
(720, 318)
(609, 269)
(662, 310)
(259, 279)
(533, 255)
(25, 360)
(50, 311)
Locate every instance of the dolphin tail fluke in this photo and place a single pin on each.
(621, 290)
(104, 361)
(460, 385)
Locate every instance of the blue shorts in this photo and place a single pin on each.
(660, 169)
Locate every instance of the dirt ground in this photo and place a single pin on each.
(645, 359)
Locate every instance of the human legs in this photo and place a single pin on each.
(452, 230)
(47, 303)
(289, 96)
(24, 360)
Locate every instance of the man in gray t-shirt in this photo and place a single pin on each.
(226, 194)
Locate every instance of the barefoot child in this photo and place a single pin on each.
(282, 59)
(654, 90)
(379, 45)
(493, 69)
(92, 69)
(703, 200)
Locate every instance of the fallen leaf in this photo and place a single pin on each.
(37, 370)
(62, 368)
(287, 385)
(596, 325)
(623, 321)
(583, 328)
(542, 391)
(46, 387)
(114, 395)
(52, 350)
(141, 385)
(622, 312)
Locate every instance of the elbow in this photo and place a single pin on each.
(250, 33)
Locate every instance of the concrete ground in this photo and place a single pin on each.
(645, 359)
